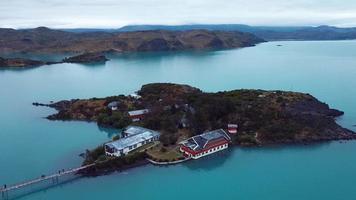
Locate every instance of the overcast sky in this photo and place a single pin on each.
(117, 13)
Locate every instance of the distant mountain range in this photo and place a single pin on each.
(45, 40)
(264, 32)
(158, 38)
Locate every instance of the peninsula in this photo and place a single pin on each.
(181, 111)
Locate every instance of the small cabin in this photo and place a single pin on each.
(232, 128)
(113, 105)
(138, 115)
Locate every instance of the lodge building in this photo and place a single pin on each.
(205, 144)
(132, 138)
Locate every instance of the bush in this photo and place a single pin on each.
(116, 119)
(168, 139)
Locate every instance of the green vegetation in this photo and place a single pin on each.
(114, 119)
(105, 164)
(275, 116)
(181, 111)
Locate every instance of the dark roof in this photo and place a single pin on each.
(199, 142)
(113, 104)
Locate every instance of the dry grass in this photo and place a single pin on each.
(171, 153)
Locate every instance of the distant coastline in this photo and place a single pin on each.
(92, 47)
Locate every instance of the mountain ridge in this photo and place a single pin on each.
(322, 32)
(45, 40)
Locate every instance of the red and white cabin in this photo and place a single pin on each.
(232, 128)
(138, 115)
(205, 144)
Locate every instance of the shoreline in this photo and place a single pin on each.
(147, 161)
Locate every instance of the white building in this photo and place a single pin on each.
(133, 138)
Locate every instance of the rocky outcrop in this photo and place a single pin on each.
(86, 58)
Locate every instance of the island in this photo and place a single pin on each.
(179, 112)
(91, 57)
(19, 62)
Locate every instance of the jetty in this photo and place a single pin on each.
(54, 177)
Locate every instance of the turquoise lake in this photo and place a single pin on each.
(31, 145)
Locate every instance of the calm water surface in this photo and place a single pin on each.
(31, 146)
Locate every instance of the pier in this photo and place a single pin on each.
(53, 177)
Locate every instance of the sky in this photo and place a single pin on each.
(117, 13)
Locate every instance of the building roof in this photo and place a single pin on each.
(232, 125)
(199, 142)
(133, 139)
(113, 104)
(138, 112)
(134, 130)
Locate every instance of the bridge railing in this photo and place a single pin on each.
(52, 178)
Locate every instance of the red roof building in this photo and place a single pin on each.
(205, 144)
(138, 115)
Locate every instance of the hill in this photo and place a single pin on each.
(264, 32)
(44, 40)
(264, 117)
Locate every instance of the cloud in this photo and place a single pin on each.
(116, 13)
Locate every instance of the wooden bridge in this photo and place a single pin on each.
(4, 190)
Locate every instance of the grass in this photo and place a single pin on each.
(170, 153)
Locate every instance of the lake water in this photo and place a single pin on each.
(31, 145)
